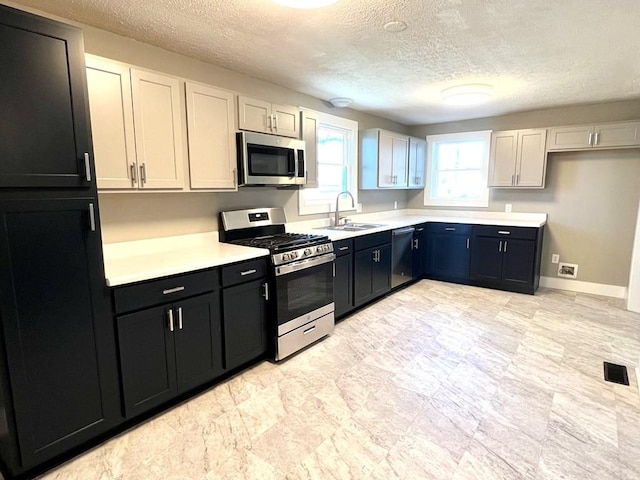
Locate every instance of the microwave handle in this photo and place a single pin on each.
(292, 163)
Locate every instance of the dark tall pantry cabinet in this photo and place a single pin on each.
(59, 385)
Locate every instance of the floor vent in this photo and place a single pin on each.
(616, 373)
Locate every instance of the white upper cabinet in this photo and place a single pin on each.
(605, 135)
(517, 159)
(158, 130)
(385, 159)
(211, 138)
(109, 86)
(309, 127)
(417, 162)
(260, 116)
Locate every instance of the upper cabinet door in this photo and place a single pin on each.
(532, 158)
(254, 115)
(309, 129)
(43, 120)
(286, 120)
(109, 86)
(568, 138)
(417, 159)
(158, 130)
(385, 159)
(617, 134)
(502, 159)
(211, 138)
(400, 161)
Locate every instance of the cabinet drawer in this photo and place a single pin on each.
(521, 233)
(243, 272)
(164, 290)
(373, 240)
(343, 247)
(451, 228)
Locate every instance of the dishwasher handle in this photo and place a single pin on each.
(403, 231)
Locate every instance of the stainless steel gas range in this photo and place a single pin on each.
(300, 293)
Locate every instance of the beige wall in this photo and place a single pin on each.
(591, 197)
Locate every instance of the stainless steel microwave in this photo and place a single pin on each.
(270, 160)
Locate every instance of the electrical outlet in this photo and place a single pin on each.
(395, 204)
(507, 208)
(359, 208)
(555, 258)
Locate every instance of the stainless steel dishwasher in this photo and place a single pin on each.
(401, 256)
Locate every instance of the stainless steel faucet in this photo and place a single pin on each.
(336, 220)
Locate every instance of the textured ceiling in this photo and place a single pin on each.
(536, 53)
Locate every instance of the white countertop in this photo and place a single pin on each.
(129, 262)
(403, 218)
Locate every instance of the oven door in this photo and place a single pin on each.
(304, 291)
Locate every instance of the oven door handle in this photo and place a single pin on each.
(304, 264)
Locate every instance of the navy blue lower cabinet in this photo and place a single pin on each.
(449, 251)
(420, 251)
(343, 280)
(506, 258)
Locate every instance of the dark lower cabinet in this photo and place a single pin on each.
(245, 323)
(343, 278)
(506, 257)
(420, 252)
(449, 255)
(59, 385)
(371, 273)
(169, 349)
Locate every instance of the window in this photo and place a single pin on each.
(337, 166)
(457, 169)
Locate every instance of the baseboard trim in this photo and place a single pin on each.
(584, 287)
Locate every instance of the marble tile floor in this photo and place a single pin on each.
(437, 381)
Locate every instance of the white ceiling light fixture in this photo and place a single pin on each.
(470, 94)
(305, 4)
(341, 102)
(395, 26)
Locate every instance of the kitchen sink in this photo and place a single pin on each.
(354, 227)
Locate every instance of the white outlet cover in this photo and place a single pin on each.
(508, 208)
(359, 208)
(555, 258)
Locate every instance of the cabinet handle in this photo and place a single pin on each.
(378, 256)
(170, 314)
(513, 179)
(275, 121)
(270, 122)
(342, 249)
(500, 248)
(334, 270)
(143, 173)
(596, 139)
(415, 244)
(92, 218)
(235, 178)
(248, 272)
(266, 291)
(504, 232)
(172, 290)
(590, 138)
(309, 330)
(133, 174)
(505, 246)
(450, 229)
(468, 243)
(179, 318)
(517, 179)
(87, 167)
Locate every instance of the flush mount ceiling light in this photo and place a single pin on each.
(471, 94)
(305, 4)
(395, 26)
(341, 102)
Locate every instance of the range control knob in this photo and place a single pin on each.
(285, 256)
(307, 252)
(293, 255)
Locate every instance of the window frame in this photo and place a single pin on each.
(307, 204)
(483, 200)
